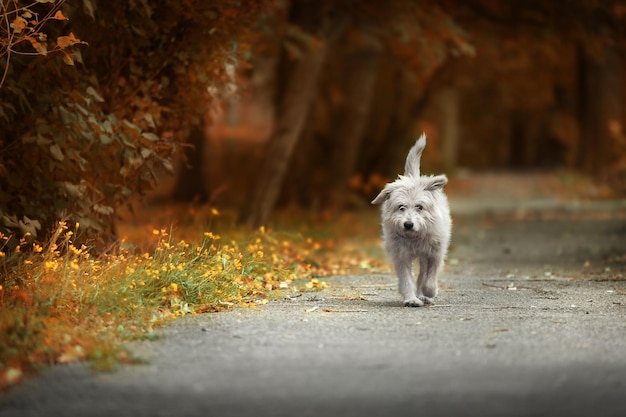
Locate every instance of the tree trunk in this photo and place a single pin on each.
(449, 104)
(361, 72)
(297, 95)
(191, 184)
(600, 107)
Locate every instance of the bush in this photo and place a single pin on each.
(79, 140)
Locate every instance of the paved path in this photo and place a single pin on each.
(530, 321)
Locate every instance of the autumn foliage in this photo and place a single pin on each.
(97, 97)
(77, 141)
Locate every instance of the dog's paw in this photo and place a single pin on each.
(426, 300)
(413, 302)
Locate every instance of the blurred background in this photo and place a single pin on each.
(260, 105)
(335, 93)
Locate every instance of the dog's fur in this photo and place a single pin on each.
(416, 224)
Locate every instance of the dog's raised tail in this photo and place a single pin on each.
(412, 164)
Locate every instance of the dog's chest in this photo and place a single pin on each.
(414, 246)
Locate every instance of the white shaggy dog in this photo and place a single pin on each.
(416, 224)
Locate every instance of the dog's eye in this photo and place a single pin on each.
(419, 207)
(402, 207)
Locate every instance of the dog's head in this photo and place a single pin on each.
(411, 204)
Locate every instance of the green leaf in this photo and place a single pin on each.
(92, 92)
(148, 117)
(89, 8)
(145, 153)
(66, 116)
(83, 110)
(106, 210)
(127, 141)
(41, 140)
(168, 166)
(56, 152)
(74, 190)
(90, 222)
(150, 136)
(107, 126)
(131, 125)
(29, 225)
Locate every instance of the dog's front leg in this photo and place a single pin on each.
(406, 282)
(427, 279)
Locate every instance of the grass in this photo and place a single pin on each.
(59, 303)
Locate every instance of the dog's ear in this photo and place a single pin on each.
(384, 194)
(413, 159)
(435, 182)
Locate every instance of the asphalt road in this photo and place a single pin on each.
(530, 321)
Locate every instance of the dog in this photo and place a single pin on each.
(416, 224)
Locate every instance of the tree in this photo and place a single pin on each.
(554, 71)
(77, 143)
(294, 103)
(191, 184)
(361, 63)
(419, 37)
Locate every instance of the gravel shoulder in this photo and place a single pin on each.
(530, 320)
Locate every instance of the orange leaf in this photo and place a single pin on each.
(19, 25)
(59, 16)
(66, 41)
(38, 46)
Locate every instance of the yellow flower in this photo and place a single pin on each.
(37, 248)
(215, 212)
(51, 265)
(210, 235)
(174, 286)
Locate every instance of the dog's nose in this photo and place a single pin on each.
(408, 225)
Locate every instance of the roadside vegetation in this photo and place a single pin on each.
(61, 302)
